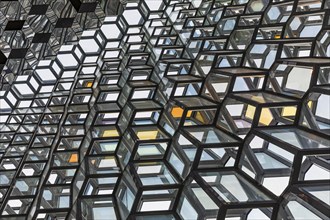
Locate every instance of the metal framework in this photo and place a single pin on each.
(170, 110)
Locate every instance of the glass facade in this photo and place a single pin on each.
(165, 109)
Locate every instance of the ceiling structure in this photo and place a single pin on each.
(32, 30)
(172, 109)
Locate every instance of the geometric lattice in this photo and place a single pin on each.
(171, 109)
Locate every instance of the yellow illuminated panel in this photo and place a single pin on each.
(258, 99)
(250, 112)
(266, 116)
(147, 135)
(199, 117)
(310, 104)
(110, 133)
(289, 111)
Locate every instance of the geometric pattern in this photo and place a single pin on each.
(171, 109)
(33, 30)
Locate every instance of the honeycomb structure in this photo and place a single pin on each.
(170, 110)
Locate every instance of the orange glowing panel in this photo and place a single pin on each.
(73, 158)
(89, 84)
(177, 112)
